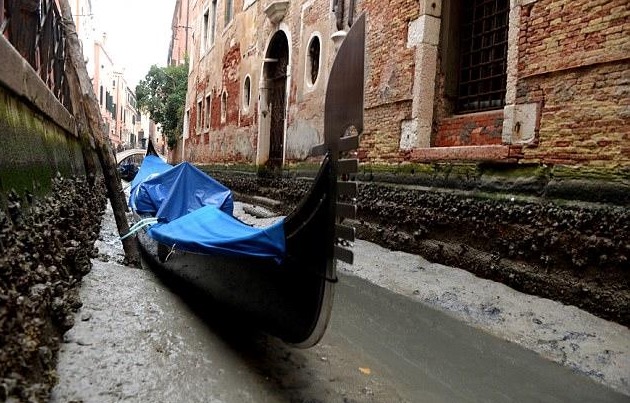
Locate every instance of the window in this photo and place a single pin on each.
(199, 114)
(224, 107)
(213, 26)
(186, 124)
(247, 92)
(208, 105)
(229, 11)
(483, 55)
(312, 64)
(204, 32)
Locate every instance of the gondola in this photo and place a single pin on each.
(281, 278)
(127, 170)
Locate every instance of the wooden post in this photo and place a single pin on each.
(86, 108)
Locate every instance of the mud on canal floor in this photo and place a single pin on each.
(135, 340)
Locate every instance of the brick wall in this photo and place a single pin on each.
(381, 136)
(574, 62)
(585, 115)
(560, 34)
(482, 128)
(231, 85)
(390, 66)
(390, 63)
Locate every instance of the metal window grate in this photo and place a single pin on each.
(483, 45)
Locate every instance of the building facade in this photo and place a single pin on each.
(181, 33)
(121, 119)
(533, 81)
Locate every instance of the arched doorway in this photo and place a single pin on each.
(273, 110)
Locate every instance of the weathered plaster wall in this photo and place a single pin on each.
(390, 70)
(235, 53)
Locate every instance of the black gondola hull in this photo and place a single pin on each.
(282, 301)
(291, 300)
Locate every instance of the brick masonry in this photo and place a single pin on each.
(585, 115)
(571, 69)
(574, 63)
(559, 34)
(474, 129)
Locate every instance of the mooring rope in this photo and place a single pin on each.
(139, 225)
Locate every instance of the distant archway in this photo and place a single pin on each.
(273, 107)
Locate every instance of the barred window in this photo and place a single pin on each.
(483, 55)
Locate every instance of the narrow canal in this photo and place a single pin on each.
(136, 340)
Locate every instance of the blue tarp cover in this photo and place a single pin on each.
(151, 165)
(210, 230)
(179, 191)
(195, 213)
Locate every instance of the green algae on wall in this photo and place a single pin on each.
(34, 149)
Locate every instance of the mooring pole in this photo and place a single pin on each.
(86, 108)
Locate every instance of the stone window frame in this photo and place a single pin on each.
(520, 121)
(208, 111)
(205, 24)
(199, 114)
(308, 62)
(247, 4)
(247, 93)
(213, 22)
(228, 12)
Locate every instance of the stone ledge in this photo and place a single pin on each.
(505, 153)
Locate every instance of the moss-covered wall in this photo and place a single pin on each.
(34, 149)
(588, 184)
(48, 226)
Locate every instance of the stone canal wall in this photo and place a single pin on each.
(561, 235)
(49, 219)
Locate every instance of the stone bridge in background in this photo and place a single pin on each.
(123, 155)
